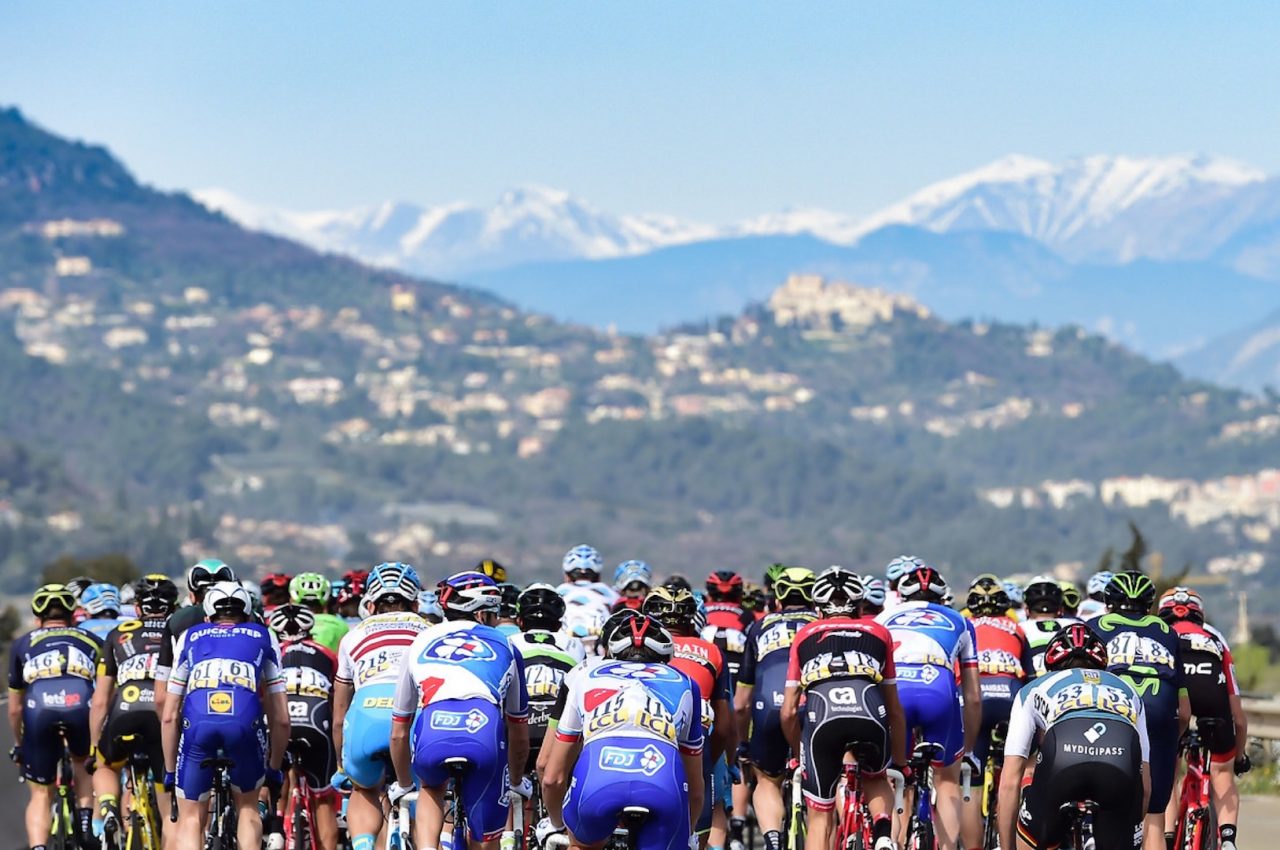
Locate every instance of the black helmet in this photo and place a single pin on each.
(1043, 595)
(540, 607)
(155, 594)
(1130, 593)
(510, 603)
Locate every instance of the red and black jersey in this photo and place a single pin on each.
(310, 669)
(841, 648)
(727, 629)
(1207, 669)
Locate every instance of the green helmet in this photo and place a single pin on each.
(309, 587)
(794, 585)
(771, 574)
(1130, 592)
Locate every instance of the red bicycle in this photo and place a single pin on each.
(854, 830)
(1197, 824)
(300, 812)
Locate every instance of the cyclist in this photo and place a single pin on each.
(429, 606)
(893, 574)
(1210, 677)
(587, 601)
(1092, 605)
(1017, 603)
(1043, 597)
(582, 566)
(1093, 747)
(101, 605)
(273, 590)
(1004, 664)
(1070, 601)
(641, 743)
(309, 670)
(762, 683)
(124, 700)
(201, 576)
(874, 595)
(348, 599)
(755, 601)
(224, 684)
(311, 591)
(369, 661)
(929, 641)
(128, 602)
(493, 570)
(508, 607)
(632, 580)
(702, 662)
(461, 688)
(727, 622)
(51, 671)
(1145, 651)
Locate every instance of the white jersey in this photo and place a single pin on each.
(371, 653)
(1068, 694)
(574, 589)
(460, 660)
(609, 699)
(1090, 608)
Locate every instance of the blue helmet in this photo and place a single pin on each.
(99, 599)
(900, 566)
(466, 593)
(429, 604)
(873, 590)
(629, 571)
(1098, 583)
(583, 561)
(392, 580)
(1014, 592)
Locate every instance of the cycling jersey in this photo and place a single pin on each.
(929, 641)
(1004, 663)
(369, 660)
(1093, 745)
(764, 670)
(221, 670)
(727, 625)
(586, 610)
(601, 591)
(329, 630)
(635, 720)
(839, 663)
(100, 627)
(310, 668)
(454, 679)
(548, 656)
(702, 662)
(1210, 677)
(179, 621)
(51, 670)
(1146, 653)
(129, 657)
(1038, 633)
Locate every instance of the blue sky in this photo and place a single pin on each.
(705, 110)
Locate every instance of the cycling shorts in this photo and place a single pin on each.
(311, 752)
(48, 716)
(1162, 734)
(611, 774)
(473, 729)
(1086, 758)
(221, 723)
(839, 717)
(931, 703)
(366, 735)
(142, 727)
(998, 694)
(724, 785)
(768, 746)
(1221, 738)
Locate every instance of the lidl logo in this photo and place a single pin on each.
(220, 703)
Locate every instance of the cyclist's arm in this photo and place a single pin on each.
(164, 662)
(342, 693)
(277, 705)
(724, 736)
(1007, 803)
(971, 687)
(15, 714)
(16, 686)
(169, 727)
(742, 706)
(693, 776)
(515, 705)
(790, 714)
(557, 751)
(102, 692)
(1242, 724)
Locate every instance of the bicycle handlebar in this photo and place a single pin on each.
(966, 779)
(899, 784)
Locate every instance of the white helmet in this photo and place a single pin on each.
(227, 597)
(583, 559)
(470, 592)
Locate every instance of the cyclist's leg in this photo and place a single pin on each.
(769, 751)
(1162, 732)
(1222, 777)
(943, 724)
(41, 749)
(248, 751)
(326, 818)
(317, 765)
(720, 806)
(366, 731)
(193, 781)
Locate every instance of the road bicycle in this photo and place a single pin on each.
(527, 813)
(794, 821)
(1080, 817)
(64, 829)
(223, 819)
(143, 829)
(400, 824)
(300, 812)
(991, 787)
(854, 829)
(1196, 828)
(627, 835)
(920, 834)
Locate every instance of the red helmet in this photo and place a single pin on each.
(724, 585)
(274, 582)
(1181, 603)
(1075, 642)
(920, 581)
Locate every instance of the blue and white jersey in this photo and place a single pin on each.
(925, 633)
(222, 668)
(461, 660)
(102, 626)
(1070, 694)
(582, 592)
(631, 700)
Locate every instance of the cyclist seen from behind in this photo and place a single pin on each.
(842, 667)
(225, 692)
(201, 576)
(1043, 599)
(930, 641)
(51, 675)
(101, 605)
(312, 591)
(762, 685)
(1092, 747)
(632, 581)
(461, 689)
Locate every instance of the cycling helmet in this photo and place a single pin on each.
(100, 599)
(463, 595)
(899, 567)
(255, 595)
(678, 582)
(357, 579)
(309, 587)
(492, 569)
(724, 586)
(794, 586)
(754, 598)
(986, 580)
(292, 621)
(1014, 591)
(392, 581)
(50, 596)
(274, 585)
(227, 598)
(633, 636)
(1070, 595)
(1098, 584)
(632, 572)
(771, 574)
(155, 594)
(204, 574)
(1075, 643)
(350, 588)
(582, 562)
(1181, 603)
(837, 592)
(987, 599)
(540, 607)
(674, 607)
(874, 591)
(127, 594)
(699, 613)
(79, 585)
(509, 600)
(1043, 595)
(1131, 593)
(429, 605)
(922, 582)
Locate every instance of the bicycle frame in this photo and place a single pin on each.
(143, 832)
(1081, 830)
(796, 821)
(300, 813)
(1195, 799)
(223, 819)
(854, 829)
(400, 824)
(991, 787)
(64, 831)
(920, 833)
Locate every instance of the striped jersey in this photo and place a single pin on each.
(370, 654)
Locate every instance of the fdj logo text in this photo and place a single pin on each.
(647, 761)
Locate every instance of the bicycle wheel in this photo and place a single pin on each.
(923, 838)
